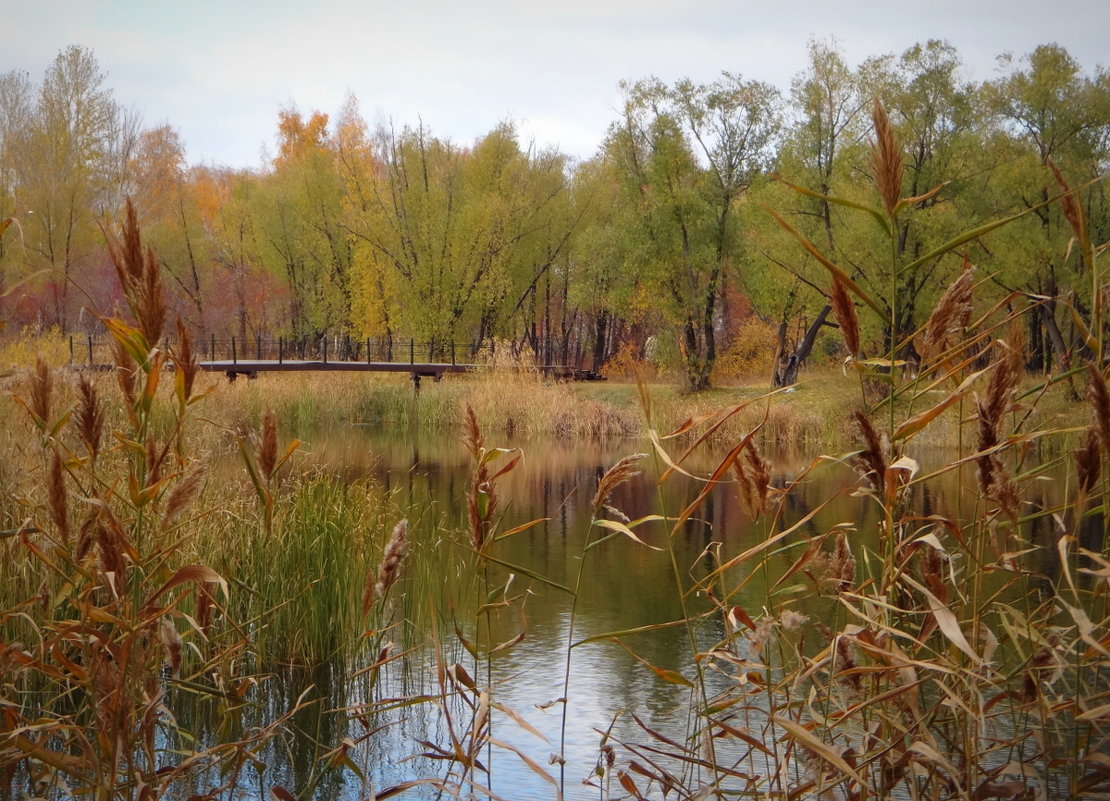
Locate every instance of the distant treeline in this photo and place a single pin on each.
(661, 246)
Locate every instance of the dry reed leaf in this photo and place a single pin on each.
(946, 621)
(804, 737)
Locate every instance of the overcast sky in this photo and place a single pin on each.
(220, 70)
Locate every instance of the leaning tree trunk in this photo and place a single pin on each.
(788, 364)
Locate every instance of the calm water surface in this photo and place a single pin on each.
(625, 585)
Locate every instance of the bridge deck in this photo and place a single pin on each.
(249, 366)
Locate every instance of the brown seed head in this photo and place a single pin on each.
(377, 585)
(89, 417)
(886, 159)
(1099, 397)
(760, 476)
(872, 459)
(1073, 212)
(40, 388)
(950, 318)
(267, 445)
(139, 277)
(185, 358)
(1088, 462)
(59, 514)
(182, 495)
(621, 472)
(846, 318)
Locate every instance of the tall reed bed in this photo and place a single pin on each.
(964, 652)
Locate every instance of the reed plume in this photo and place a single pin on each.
(845, 312)
(620, 473)
(951, 315)
(994, 479)
(125, 373)
(40, 389)
(481, 500)
(88, 419)
(185, 359)
(1088, 461)
(1099, 397)
(56, 497)
(872, 459)
(139, 277)
(1073, 212)
(267, 445)
(389, 570)
(183, 494)
(887, 167)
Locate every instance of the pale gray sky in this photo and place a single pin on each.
(220, 70)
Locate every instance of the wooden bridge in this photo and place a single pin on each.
(312, 355)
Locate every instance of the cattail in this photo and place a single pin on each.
(377, 585)
(886, 159)
(871, 459)
(951, 315)
(41, 388)
(267, 446)
(620, 473)
(845, 312)
(56, 498)
(89, 417)
(182, 495)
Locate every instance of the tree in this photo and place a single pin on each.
(66, 159)
(688, 154)
(1054, 118)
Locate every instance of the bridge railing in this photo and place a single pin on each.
(98, 350)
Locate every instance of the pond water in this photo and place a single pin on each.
(625, 585)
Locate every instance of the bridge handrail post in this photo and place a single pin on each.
(281, 349)
(258, 347)
(412, 350)
(90, 349)
(369, 358)
(234, 355)
(452, 353)
(325, 348)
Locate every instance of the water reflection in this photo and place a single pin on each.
(626, 586)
